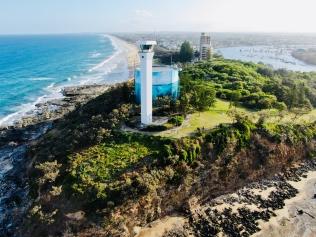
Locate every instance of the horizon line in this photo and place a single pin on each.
(155, 32)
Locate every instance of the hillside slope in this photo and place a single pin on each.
(89, 178)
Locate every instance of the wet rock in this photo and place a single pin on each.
(300, 212)
(207, 220)
(14, 141)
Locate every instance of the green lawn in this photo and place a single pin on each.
(209, 119)
(218, 114)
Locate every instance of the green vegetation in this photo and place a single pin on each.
(195, 95)
(185, 149)
(206, 120)
(256, 86)
(98, 172)
(291, 133)
(238, 133)
(222, 111)
(186, 52)
(114, 176)
(176, 120)
(93, 171)
(158, 128)
(185, 55)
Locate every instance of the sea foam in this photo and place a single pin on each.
(111, 70)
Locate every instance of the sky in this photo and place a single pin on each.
(78, 16)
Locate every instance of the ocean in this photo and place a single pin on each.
(34, 69)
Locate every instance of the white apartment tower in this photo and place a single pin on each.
(146, 54)
(205, 47)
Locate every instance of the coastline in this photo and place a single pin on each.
(281, 195)
(298, 217)
(279, 57)
(15, 140)
(307, 56)
(280, 206)
(56, 104)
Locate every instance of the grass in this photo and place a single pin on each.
(108, 158)
(218, 114)
(208, 119)
(98, 165)
(94, 169)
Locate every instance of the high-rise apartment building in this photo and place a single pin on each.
(205, 47)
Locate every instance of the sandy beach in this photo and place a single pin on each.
(130, 50)
(298, 217)
(54, 108)
(283, 206)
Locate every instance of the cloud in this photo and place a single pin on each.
(143, 13)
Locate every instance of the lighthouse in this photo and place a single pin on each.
(146, 54)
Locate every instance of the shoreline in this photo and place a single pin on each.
(51, 106)
(307, 56)
(297, 218)
(15, 140)
(279, 206)
(279, 57)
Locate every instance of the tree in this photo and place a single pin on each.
(297, 98)
(234, 98)
(203, 97)
(185, 105)
(186, 52)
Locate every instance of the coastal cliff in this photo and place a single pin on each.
(90, 179)
(16, 140)
(88, 176)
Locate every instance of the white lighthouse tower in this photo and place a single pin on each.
(146, 64)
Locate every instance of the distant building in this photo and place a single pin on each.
(205, 47)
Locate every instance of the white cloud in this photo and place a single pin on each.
(143, 13)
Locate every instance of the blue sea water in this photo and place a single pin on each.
(35, 68)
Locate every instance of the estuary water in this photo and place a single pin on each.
(279, 57)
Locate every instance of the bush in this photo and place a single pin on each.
(291, 133)
(176, 120)
(183, 155)
(239, 132)
(256, 86)
(158, 128)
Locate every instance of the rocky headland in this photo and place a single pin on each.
(16, 139)
(14, 142)
(86, 176)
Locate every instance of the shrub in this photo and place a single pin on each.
(291, 133)
(49, 170)
(158, 128)
(93, 168)
(176, 120)
(223, 134)
(183, 155)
